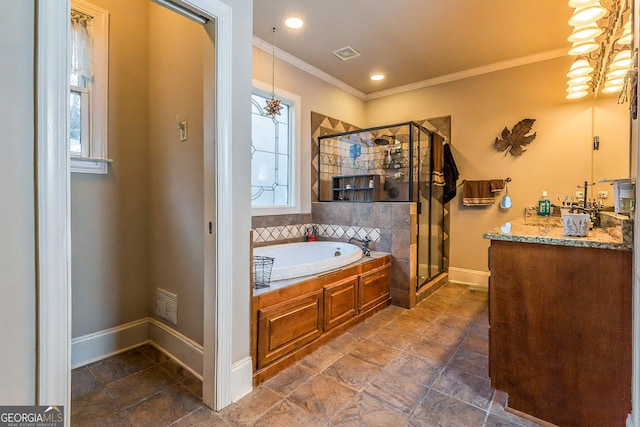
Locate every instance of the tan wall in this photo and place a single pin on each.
(176, 193)
(17, 247)
(109, 213)
(557, 161)
(317, 96)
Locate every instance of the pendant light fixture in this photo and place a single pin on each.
(273, 105)
(601, 40)
(587, 14)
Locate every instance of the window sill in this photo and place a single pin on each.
(89, 165)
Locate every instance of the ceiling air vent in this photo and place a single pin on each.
(346, 53)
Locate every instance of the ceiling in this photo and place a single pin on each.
(412, 41)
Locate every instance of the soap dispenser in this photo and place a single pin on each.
(544, 205)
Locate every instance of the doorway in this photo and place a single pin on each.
(53, 190)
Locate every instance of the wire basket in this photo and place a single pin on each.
(262, 266)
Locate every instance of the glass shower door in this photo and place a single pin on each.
(430, 215)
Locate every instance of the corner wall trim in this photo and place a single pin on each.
(241, 379)
(469, 277)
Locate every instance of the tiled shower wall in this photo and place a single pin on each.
(397, 223)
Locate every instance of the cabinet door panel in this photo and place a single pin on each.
(374, 288)
(285, 327)
(340, 302)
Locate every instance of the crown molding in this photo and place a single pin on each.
(472, 72)
(465, 74)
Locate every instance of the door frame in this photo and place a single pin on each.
(53, 225)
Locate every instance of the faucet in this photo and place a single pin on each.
(365, 244)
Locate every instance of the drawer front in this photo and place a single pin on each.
(285, 327)
(375, 287)
(340, 302)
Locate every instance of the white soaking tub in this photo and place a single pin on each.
(307, 258)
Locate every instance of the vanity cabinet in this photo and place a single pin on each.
(290, 322)
(560, 331)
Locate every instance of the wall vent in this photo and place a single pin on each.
(346, 53)
(167, 306)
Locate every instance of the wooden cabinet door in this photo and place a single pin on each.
(340, 302)
(375, 287)
(560, 335)
(285, 327)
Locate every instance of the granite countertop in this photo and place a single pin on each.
(616, 233)
(277, 284)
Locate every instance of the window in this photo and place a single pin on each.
(274, 156)
(88, 85)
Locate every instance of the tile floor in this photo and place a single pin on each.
(421, 367)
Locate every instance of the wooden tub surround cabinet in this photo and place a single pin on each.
(293, 318)
(560, 324)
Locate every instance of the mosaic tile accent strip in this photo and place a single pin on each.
(342, 232)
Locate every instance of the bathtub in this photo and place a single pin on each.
(307, 258)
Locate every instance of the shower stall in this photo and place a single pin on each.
(390, 164)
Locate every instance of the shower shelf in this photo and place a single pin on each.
(356, 188)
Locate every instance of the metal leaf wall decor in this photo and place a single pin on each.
(514, 141)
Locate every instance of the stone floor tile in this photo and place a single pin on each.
(365, 410)
(476, 345)
(466, 361)
(444, 335)
(163, 408)
(120, 366)
(364, 330)
(415, 368)
(454, 321)
(374, 352)
(289, 380)
(437, 409)
(288, 414)
(428, 349)
(322, 358)
(466, 387)
(352, 372)
(251, 407)
(91, 407)
(140, 385)
(396, 391)
(344, 343)
(381, 318)
(153, 353)
(393, 338)
(202, 416)
(82, 382)
(408, 325)
(322, 397)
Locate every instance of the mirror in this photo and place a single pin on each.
(611, 156)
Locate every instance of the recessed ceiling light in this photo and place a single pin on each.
(377, 77)
(294, 23)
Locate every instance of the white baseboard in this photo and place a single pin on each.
(469, 277)
(182, 349)
(102, 344)
(241, 379)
